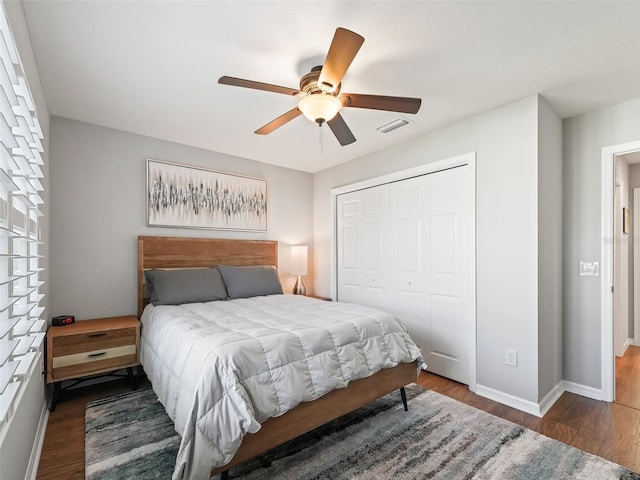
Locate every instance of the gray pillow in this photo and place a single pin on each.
(192, 285)
(244, 282)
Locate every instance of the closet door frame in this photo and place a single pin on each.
(468, 159)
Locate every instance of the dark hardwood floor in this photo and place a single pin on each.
(609, 430)
(62, 456)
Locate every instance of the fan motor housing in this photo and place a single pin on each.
(309, 83)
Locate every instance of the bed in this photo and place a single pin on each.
(322, 390)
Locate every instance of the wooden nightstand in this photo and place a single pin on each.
(91, 347)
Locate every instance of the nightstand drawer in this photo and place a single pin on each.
(92, 341)
(94, 367)
(94, 356)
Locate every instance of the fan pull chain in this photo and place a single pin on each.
(321, 139)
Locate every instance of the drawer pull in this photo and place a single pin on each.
(94, 335)
(99, 354)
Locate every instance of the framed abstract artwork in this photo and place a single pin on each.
(194, 197)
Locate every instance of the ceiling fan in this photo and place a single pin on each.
(319, 97)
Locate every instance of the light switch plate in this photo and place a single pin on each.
(590, 269)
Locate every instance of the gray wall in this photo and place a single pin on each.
(584, 138)
(19, 443)
(549, 249)
(98, 211)
(506, 142)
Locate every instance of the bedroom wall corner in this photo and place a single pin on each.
(98, 192)
(549, 249)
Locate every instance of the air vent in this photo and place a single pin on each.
(397, 123)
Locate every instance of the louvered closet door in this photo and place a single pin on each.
(423, 269)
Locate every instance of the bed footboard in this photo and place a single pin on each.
(309, 415)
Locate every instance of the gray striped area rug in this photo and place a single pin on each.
(129, 436)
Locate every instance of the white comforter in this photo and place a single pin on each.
(222, 368)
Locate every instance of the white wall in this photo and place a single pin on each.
(98, 210)
(506, 142)
(18, 449)
(584, 138)
(549, 249)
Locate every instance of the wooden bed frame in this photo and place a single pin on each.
(183, 252)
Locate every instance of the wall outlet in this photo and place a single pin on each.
(511, 357)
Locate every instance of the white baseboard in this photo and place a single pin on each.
(550, 398)
(541, 408)
(34, 459)
(509, 400)
(626, 345)
(583, 390)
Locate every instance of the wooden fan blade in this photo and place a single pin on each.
(343, 49)
(278, 122)
(240, 82)
(340, 129)
(381, 102)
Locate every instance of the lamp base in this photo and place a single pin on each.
(299, 288)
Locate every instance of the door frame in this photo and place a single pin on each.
(636, 265)
(468, 160)
(607, 361)
(618, 277)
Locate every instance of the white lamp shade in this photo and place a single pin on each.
(319, 107)
(299, 259)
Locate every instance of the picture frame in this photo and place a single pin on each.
(185, 196)
(626, 220)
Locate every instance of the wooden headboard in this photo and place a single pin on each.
(184, 252)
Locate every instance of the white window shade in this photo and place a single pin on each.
(22, 327)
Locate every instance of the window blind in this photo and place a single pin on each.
(22, 327)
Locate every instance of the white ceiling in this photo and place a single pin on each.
(151, 67)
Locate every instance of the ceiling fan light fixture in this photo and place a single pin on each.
(319, 97)
(319, 107)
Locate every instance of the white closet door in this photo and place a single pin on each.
(449, 326)
(363, 245)
(405, 247)
(407, 273)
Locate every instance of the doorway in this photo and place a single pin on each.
(620, 280)
(626, 297)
